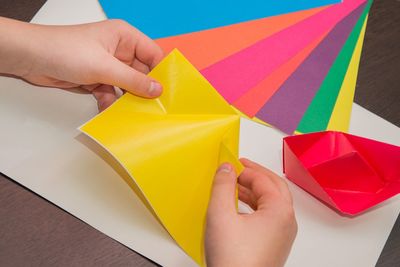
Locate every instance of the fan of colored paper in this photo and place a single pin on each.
(291, 64)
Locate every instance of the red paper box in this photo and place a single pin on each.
(347, 172)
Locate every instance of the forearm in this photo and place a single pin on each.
(15, 47)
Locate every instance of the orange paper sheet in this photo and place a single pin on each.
(210, 46)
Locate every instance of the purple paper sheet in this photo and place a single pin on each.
(286, 107)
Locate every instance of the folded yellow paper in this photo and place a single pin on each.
(172, 146)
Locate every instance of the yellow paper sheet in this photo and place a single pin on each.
(341, 114)
(172, 146)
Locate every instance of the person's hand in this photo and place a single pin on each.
(263, 238)
(94, 57)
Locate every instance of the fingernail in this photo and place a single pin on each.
(226, 167)
(155, 89)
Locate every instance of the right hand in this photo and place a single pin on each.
(263, 238)
(94, 57)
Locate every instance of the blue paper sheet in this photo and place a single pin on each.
(163, 18)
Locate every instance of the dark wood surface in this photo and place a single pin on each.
(378, 83)
(33, 232)
(20, 9)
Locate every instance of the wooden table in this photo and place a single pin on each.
(35, 232)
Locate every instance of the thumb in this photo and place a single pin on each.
(125, 77)
(224, 190)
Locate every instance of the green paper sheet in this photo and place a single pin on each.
(341, 114)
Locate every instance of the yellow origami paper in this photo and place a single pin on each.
(172, 146)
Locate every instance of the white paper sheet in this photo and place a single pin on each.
(41, 149)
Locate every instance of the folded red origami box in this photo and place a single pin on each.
(347, 172)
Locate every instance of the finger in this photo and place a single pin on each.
(116, 73)
(139, 66)
(282, 184)
(105, 96)
(224, 190)
(89, 87)
(148, 52)
(247, 197)
(273, 176)
(264, 190)
(251, 164)
(258, 183)
(253, 177)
